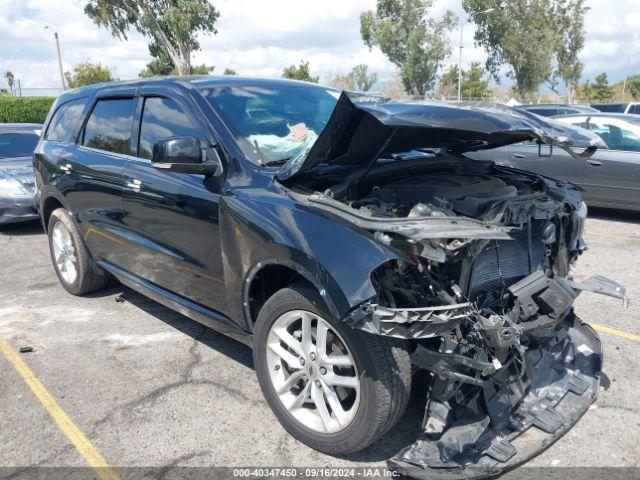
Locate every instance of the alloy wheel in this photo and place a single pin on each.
(64, 253)
(312, 372)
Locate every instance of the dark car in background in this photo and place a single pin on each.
(610, 178)
(17, 143)
(348, 240)
(624, 107)
(551, 110)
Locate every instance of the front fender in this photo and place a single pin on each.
(333, 255)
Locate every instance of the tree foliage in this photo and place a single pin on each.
(162, 65)
(633, 86)
(358, 79)
(601, 90)
(570, 18)
(417, 45)
(520, 33)
(229, 71)
(87, 73)
(475, 83)
(10, 78)
(301, 72)
(172, 25)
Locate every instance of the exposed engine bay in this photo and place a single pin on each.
(482, 291)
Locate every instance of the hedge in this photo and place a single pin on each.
(24, 109)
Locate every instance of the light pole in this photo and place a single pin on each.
(488, 10)
(55, 35)
(626, 77)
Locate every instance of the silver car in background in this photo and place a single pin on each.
(610, 178)
(17, 182)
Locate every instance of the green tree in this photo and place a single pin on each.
(358, 79)
(162, 66)
(229, 71)
(301, 72)
(362, 79)
(10, 78)
(172, 25)
(633, 86)
(475, 84)
(519, 33)
(601, 90)
(585, 92)
(417, 45)
(570, 17)
(448, 85)
(87, 73)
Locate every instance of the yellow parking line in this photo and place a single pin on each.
(613, 331)
(64, 422)
(614, 237)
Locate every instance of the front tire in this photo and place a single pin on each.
(74, 266)
(333, 388)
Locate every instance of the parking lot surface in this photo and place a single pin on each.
(150, 388)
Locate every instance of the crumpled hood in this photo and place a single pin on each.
(362, 128)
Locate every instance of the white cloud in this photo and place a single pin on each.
(260, 38)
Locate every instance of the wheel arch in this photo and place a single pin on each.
(266, 277)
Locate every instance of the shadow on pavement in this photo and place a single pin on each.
(18, 229)
(404, 433)
(615, 215)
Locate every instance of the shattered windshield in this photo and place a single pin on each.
(274, 124)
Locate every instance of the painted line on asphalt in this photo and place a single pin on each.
(613, 331)
(84, 447)
(614, 237)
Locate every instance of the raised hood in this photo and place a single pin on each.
(364, 128)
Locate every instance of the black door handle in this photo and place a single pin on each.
(594, 163)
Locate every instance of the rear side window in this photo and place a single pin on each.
(635, 108)
(65, 121)
(162, 118)
(109, 125)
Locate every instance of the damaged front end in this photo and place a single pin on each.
(481, 289)
(491, 320)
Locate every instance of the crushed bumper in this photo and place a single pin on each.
(564, 378)
(17, 211)
(503, 387)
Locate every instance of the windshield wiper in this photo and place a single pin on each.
(276, 163)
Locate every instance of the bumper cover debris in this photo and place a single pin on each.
(524, 417)
(504, 386)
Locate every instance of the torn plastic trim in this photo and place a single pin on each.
(562, 385)
(415, 228)
(409, 323)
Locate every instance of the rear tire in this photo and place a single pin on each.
(381, 366)
(76, 270)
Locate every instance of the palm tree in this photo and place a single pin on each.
(10, 78)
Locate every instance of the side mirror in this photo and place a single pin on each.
(181, 155)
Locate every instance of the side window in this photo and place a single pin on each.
(635, 108)
(162, 118)
(109, 125)
(65, 120)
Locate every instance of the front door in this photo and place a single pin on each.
(172, 218)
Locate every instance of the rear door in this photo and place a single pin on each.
(94, 173)
(172, 218)
(613, 175)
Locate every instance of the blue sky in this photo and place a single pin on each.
(260, 38)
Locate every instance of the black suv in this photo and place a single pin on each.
(348, 240)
